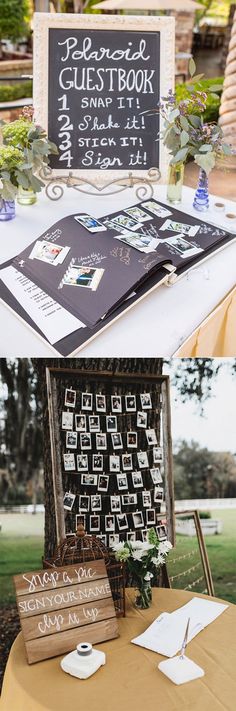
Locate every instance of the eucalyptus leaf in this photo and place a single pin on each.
(226, 149)
(184, 138)
(36, 184)
(180, 155)
(22, 179)
(197, 78)
(184, 123)
(192, 67)
(173, 114)
(206, 161)
(206, 148)
(214, 96)
(216, 87)
(195, 120)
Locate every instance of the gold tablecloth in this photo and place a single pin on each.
(130, 680)
(216, 336)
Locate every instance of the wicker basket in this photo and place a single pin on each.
(80, 548)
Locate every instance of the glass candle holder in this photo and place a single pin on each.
(175, 182)
(7, 210)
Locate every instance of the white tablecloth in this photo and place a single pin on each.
(156, 326)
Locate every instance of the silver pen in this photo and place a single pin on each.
(185, 640)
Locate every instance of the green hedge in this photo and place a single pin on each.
(213, 105)
(11, 92)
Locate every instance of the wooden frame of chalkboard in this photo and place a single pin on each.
(108, 383)
(94, 77)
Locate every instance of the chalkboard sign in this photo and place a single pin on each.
(95, 77)
(61, 607)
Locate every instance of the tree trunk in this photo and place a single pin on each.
(114, 365)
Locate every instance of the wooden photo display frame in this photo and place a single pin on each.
(61, 607)
(95, 76)
(118, 483)
(188, 567)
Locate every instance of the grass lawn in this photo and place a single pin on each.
(22, 552)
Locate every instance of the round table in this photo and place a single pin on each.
(130, 680)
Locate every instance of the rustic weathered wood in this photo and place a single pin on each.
(56, 460)
(62, 642)
(58, 604)
(76, 595)
(167, 458)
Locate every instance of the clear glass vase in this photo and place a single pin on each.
(175, 182)
(7, 209)
(143, 598)
(26, 197)
(201, 198)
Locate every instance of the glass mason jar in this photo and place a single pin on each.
(7, 209)
(26, 197)
(175, 182)
(143, 598)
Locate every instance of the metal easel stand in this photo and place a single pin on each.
(55, 184)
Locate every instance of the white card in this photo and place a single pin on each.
(49, 252)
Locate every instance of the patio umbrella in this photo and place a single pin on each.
(188, 5)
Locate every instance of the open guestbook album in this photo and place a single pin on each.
(83, 273)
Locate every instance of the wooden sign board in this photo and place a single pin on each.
(94, 77)
(61, 607)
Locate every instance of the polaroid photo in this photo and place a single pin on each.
(101, 403)
(156, 209)
(147, 501)
(138, 519)
(115, 503)
(103, 538)
(84, 277)
(69, 462)
(137, 214)
(113, 226)
(80, 518)
(130, 403)
(114, 463)
(122, 482)
(90, 223)
(132, 439)
(82, 462)
(128, 222)
(150, 517)
(122, 521)
(156, 476)
(110, 522)
(142, 242)
(85, 440)
(96, 502)
(84, 503)
(94, 523)
(111, 423)
(68, 501)
(171, 225)
(151, 437)
(157, 454)
(182, 247)
(127, 462)
(158, 494)
(116, 404)
(70, 397)
(101, 441)
(142, 458)
(80, 423)
(98, 462)
(67, 420)
(129, 499)
(137, 480)
(87, 401)
(88, 479)
(161, 532)
(144, 534)
(146, 401)
(103, 482)
(114, 538)
(71, 440)
(116, 440)
(142, 419)
(131, 536)
(94, 423)
(49, 252)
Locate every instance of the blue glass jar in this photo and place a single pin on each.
(7, 210)
(201, 198)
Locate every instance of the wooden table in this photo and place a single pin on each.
(130, 680)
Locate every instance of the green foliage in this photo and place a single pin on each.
(14, 15)
(18, 554)
(12, 92)
(200, 473)
(213, 102)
